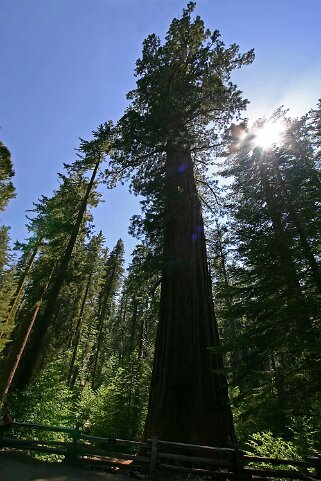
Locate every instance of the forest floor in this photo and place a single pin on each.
(19, 467)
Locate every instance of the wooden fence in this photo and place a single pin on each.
(158, 459)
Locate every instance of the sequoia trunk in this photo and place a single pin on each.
(188, 399)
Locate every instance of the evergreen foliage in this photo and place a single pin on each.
(7, 287)
(135, 352)
(270, 267)
(7, 190)
(183, 98)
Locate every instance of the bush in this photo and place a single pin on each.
(118, 408)
(267, 445)
(47, 400)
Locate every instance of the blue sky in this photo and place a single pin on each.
(66, 66)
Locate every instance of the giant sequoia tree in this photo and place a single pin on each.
(183, 98)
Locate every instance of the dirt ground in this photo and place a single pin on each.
(16, 467)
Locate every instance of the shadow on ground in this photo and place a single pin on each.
(18, 467)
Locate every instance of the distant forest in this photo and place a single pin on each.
(212, 334)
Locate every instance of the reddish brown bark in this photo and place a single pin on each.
(18, 345)
(22, 280)
(188, 399)
(16, 353)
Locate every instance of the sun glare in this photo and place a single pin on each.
(269, 134)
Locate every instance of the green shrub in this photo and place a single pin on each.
(47, 400)
(267, 445)
(118, 408)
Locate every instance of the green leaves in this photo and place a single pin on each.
(266, 445)
(118, 407)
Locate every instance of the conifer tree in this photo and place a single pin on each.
(7, 287)
(55, 221)
(90, 277)
(92, 155)
(7, 277)
(61, 220)
(274, 221)
(110, 286)
(7, 190)
(134, 334)
(183, 97)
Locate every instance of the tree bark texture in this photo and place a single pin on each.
(188, 399)
(17, 347)
(15, 356)
(22, 280)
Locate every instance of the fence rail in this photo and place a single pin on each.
(156, 457)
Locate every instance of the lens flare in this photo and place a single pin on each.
(269, 134)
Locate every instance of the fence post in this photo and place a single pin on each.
(153, 460)
(71, 454)
(318, 467)
(315, 461)
(241, 475)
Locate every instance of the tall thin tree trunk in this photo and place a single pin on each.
(14, 357)
(188, 399)
(102, 315)
(132, 330)
(141, 349)
(42, 327)
(18, 346)
(232, 325)
(78, 329)
(22, 280)
(97, 352)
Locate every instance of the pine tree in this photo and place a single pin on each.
(90, 277)
(23, 268)
(7, 190)
(135, 323)
(273, 225)
(93, 153)
(7, 287)
(7, 272)
(111, 283)
(54, 220)
(295, 164)
(60, 220)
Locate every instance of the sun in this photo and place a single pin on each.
(269, 134)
